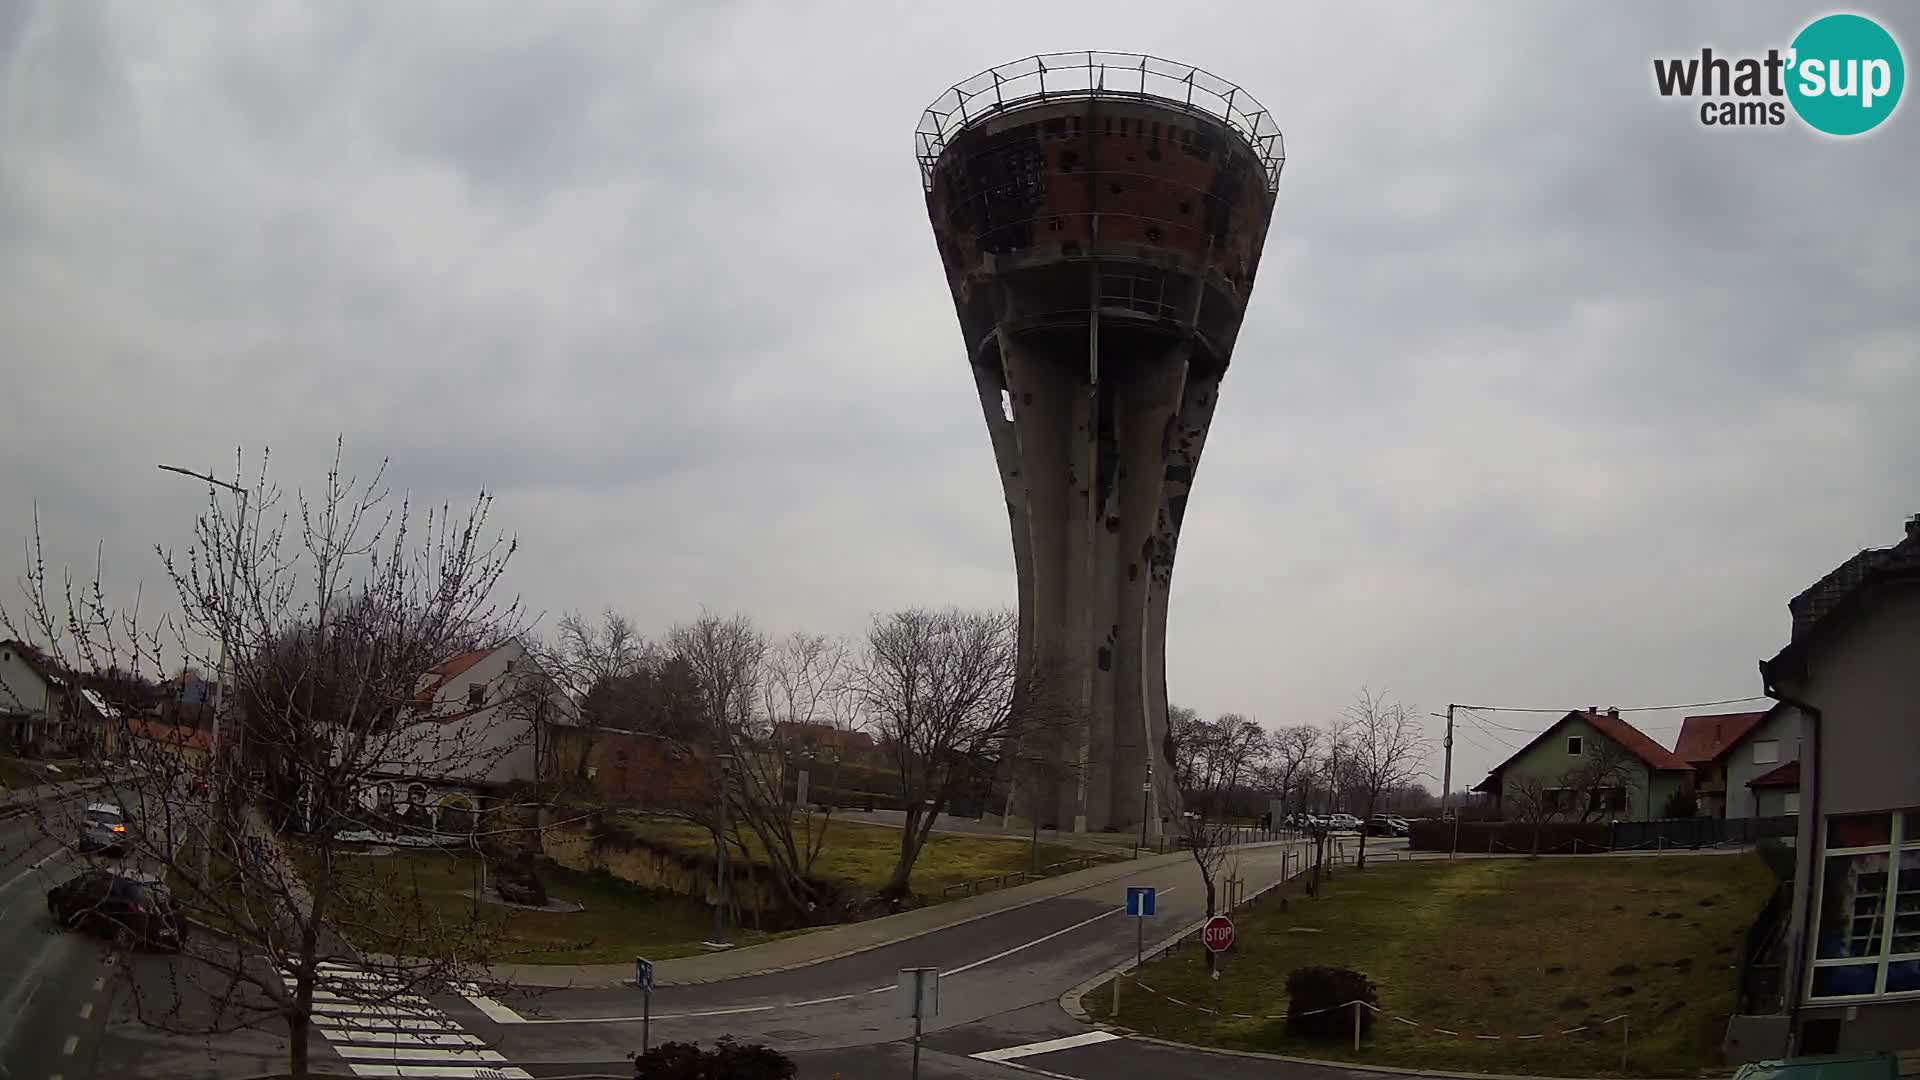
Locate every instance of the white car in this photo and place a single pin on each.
(1342, 823)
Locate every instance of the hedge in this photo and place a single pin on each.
(1553, 837)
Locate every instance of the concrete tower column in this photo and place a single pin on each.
(1149, 399)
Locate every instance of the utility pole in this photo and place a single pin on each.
(1446, 778)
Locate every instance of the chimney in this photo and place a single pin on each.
(1614, 712)
(1913, 528)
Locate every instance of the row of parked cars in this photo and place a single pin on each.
(1377, 825)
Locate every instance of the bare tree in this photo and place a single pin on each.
(939, 687)
(1386, 746)
(801, 679)
(1290, 757)
(1188, 737)
(1530, 800)
(1598, 785)
(592, 661)
(334, 614)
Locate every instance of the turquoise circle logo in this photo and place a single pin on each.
(1847, 74)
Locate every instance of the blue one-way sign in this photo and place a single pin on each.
(1140, 900)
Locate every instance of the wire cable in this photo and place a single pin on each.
(1635, 708)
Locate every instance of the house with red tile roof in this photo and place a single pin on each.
(1594, 767)
(1705, 742)
(480, 721)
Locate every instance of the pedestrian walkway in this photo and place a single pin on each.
(834, 942)
(379, 1031)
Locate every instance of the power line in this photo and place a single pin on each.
(1488, 732)
(1635, 708)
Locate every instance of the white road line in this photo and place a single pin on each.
(100, 983)
(67, 1048)
(385, 1023)
(1088, 1038)
(346, 1008)
(494, 1010)
(463, 1072)
(396, 1039)
(44, 860)
(86, 1011)
(398, 1054)
(320, 996)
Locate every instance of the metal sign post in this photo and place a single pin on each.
(917, 994)
(643, 978)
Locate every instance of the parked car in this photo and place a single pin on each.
(103, 827)
(1342, 823)
(130, 908)
(1386, 825)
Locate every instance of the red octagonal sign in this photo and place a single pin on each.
(1217, 935)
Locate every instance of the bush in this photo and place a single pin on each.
(1315, 996)
(728, 1060)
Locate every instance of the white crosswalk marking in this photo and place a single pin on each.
(380, 1031)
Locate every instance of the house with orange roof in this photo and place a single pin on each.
(1593, 766)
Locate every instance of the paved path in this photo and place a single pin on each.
(834, 942)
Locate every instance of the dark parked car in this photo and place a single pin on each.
(1386, 825)
(129, 908)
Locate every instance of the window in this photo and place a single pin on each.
(1573, 745)
(1766, 751)
(1790, 803)
(1867, 933)
(476, 695)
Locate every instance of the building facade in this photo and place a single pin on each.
(1852, 670)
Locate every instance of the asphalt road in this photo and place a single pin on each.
(54, 986)
(1001, 978)
(70, 1008)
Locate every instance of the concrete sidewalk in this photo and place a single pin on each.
(834, 942)
(15, 798)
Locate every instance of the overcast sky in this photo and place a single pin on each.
(1547, 394)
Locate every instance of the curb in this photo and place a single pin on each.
(844, 953)
(1071, 1000)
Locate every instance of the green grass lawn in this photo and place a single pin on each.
(1490, 947)
(861, 856)
(620, 921)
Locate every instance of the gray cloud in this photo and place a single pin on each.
(1548, 395)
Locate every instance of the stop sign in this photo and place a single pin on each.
(1217, 935)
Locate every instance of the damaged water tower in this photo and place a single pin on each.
(1100, 217)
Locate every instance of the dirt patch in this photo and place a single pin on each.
(1625, 970)
(1572, 1004)
(1622, 990)
(1557, 969)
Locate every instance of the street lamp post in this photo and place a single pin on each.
(725, 761)
(214, 748)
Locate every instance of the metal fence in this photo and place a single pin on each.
(1111, 75)
(1698, 832)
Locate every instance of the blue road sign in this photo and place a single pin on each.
(643, 974)
(1140, 900)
